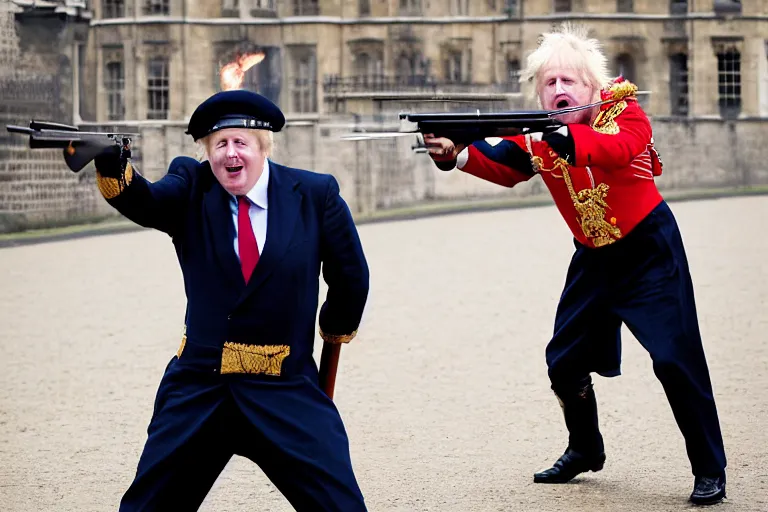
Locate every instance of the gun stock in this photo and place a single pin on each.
(79, 148)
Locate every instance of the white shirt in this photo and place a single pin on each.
(257, 197)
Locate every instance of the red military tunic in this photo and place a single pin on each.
(607, 188)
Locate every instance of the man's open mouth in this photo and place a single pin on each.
(236, 168)
(562, 104)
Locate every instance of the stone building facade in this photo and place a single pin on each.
(36, 82)
(145, 65)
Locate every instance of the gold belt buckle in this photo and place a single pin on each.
(253, 359)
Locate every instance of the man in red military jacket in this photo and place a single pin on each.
(629, 265)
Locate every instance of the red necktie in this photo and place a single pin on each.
(246, 241)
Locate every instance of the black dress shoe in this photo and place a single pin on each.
(569, 465)
(708, 490)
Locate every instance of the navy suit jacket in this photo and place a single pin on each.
(309, 230)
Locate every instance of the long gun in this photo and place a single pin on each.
(79, 148)
(467, 127)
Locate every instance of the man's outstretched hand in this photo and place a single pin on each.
(441, 149)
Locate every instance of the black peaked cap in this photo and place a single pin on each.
(237, 108)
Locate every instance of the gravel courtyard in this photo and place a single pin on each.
(444, 392)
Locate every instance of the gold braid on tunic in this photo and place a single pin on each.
(590, 203)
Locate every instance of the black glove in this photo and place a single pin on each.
(562, 144)
(445, 165)
(112, 161)
(112, 164)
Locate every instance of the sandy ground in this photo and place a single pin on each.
(444, 393)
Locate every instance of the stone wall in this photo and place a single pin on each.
(386, 174)
(36, 189)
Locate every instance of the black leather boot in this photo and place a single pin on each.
(585, 443)
(568, 466)
(708, 490)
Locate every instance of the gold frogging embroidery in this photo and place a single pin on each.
(605, 122)
(113, 187)
(255, 359)
(590, 205)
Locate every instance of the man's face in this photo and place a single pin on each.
(560, 87)
(236, 159)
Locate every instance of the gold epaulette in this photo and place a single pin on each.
(113, 187)
(621, 90)
(337, 339)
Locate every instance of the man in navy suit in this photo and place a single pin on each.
(252, 238)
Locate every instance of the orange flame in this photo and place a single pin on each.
(233, 73)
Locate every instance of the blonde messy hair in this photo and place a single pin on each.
(588, 58)
(264, 138)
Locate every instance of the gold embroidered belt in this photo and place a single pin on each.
(250, 359)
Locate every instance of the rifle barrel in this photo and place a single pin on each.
(462, 116)
(488, 123)
(65, 134)
(19, 129)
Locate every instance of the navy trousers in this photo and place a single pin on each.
(642, 281)
(290, 428)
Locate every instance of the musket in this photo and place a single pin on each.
(79, 148)
(467, 127)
